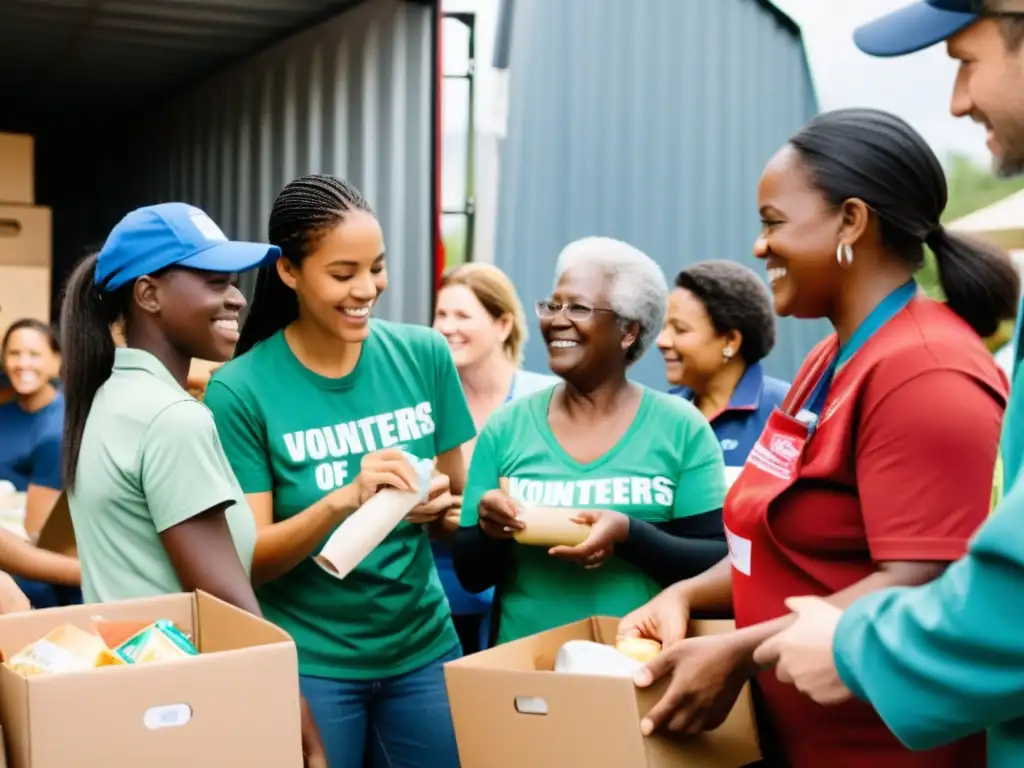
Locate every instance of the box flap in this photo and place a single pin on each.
(224, 627)
(58, 533)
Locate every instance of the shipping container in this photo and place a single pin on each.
(219, 103)
(649, 121)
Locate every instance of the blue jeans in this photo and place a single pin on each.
(396, 722)
(43, 595)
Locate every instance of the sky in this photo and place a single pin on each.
(916, 87)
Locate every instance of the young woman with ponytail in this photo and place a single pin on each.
(314, 414)
(155, 505)
(878, 468)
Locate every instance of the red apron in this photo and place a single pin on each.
(766, 572)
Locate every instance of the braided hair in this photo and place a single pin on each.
(303, 213)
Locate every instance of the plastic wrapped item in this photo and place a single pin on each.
(640, 648)
(160, 641)
(550, 527)
(369, 525)
(64, 649)
(583, 657)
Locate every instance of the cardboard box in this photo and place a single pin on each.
(58, 532)
(26, 236)
(24, 292)
(237, 703)
(511, 711)
(17, 169)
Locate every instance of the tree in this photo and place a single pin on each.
(971, 188)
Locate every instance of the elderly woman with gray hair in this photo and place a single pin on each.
(641, 468)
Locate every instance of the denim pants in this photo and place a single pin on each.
(395, 722)
(43, 595)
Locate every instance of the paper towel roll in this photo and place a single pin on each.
(368, 526)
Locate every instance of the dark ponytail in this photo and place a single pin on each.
(88, 354)
(878, 158)
(981, 283)
(304, 211)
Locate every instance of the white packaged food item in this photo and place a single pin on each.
(369, 525)
(583, 657)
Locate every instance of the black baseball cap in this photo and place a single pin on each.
(916, 27)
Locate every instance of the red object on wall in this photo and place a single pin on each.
(439, 256)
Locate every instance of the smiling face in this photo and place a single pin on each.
(198, 311)
(799, 235)
(693, 350)
(990, 90)
(342, 277)
(29, 361)
(473, 335)
(584, 349)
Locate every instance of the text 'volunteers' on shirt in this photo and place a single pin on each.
(667, 465)
(300, 435)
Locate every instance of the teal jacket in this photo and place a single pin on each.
(945, 660)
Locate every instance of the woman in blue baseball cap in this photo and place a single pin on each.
(155, 505)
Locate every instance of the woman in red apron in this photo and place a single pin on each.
(878, 467)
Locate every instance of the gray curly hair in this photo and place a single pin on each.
(637, 288)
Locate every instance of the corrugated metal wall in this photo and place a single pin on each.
(649, 121)
(352, 97)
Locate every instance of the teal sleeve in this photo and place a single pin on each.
(243, 436)
(945, 660)
(453, 419)
(484, 474)
(700, 486)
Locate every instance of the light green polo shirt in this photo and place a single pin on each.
(150, 460)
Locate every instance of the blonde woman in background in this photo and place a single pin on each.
(479, 314)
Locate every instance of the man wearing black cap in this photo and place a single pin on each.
(944, 660)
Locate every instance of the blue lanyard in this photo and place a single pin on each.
(511, 390)
(890, 306)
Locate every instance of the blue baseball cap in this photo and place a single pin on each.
(173, 235)
(916, 27)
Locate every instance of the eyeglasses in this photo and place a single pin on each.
(577, 313)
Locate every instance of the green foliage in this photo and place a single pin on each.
(971, 188)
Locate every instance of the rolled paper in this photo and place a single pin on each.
(365, 529)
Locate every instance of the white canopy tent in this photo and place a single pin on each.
(1001, 223)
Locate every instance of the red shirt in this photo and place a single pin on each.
(900, 468)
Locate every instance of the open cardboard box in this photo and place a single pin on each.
(512, 711)
(236, 703)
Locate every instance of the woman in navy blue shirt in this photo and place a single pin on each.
(31, 430)
(719, 327)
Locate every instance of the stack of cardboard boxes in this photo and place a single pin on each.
(25, 236)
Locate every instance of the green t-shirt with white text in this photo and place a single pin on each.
(667, 465)
(288, 430)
